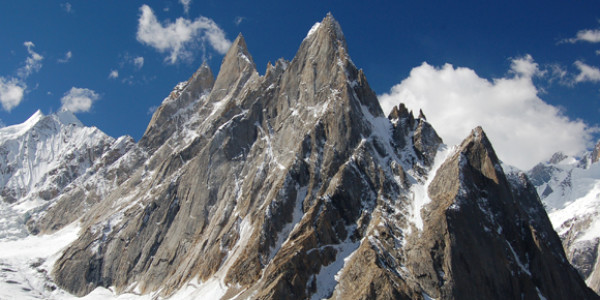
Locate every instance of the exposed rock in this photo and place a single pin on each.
(176, 108)
(596, 153)
(295, 185)
(487, 236)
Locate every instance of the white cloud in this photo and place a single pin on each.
(113, 74)
(138, 62)
(186, 5)
(79, 99)
(525, 66)
(67, 57)
(67, 7)
(11, 92)
(33, 63)
(522, 127)
(238, 20)
(180, 37)
(587, 72)
(587, 35)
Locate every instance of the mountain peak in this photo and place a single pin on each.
(236, 68)
(19, 129)
(67, 117)
(327, 30)
(480, 154)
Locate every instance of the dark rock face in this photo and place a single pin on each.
(488, 234)
(295, 185)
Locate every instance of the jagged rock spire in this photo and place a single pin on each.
(236, 68)
(163, 124)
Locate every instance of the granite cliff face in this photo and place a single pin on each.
(295, 185)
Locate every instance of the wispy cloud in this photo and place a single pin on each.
(138, 62)
(186, 5)
(238, 20)
(67, 7)
(114, 74)
(587, 73)
(178, 38)
(587, 35)
(12, 91)
(79, 99)
(33, 63)
(67, 57)
(523, 128)
(152, 109)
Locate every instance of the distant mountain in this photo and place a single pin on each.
(570, 190)
(39, 159)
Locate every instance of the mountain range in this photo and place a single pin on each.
(288, 185)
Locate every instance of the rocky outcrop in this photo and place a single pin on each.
(177, 108)
(295, 185)
(486, 235)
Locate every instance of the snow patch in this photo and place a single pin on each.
(313, 29)
(419, 193)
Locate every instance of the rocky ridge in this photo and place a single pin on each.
(295, 185)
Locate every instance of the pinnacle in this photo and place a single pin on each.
(480, 153)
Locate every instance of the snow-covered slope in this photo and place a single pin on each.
(570, 190)
(38, 159)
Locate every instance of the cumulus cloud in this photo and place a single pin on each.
(525, 66)
(79, 99)
(33, 63)
(522, 127)
(67, 57)
(138, 62)
(587, 73)
(114, 74)
(180, 37)
(587, 35)
(11, 92)
(186, 5)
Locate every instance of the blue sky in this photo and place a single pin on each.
(114, 61)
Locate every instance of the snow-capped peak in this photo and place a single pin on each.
(12, 131)
(67, 117)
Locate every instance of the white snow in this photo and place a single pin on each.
(419, 193)
(25, 264)
(283, 235)
(327, 278)
(313, 29)
(575, 197)
(540, 294)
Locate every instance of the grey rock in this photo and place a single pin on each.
(276, 183)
